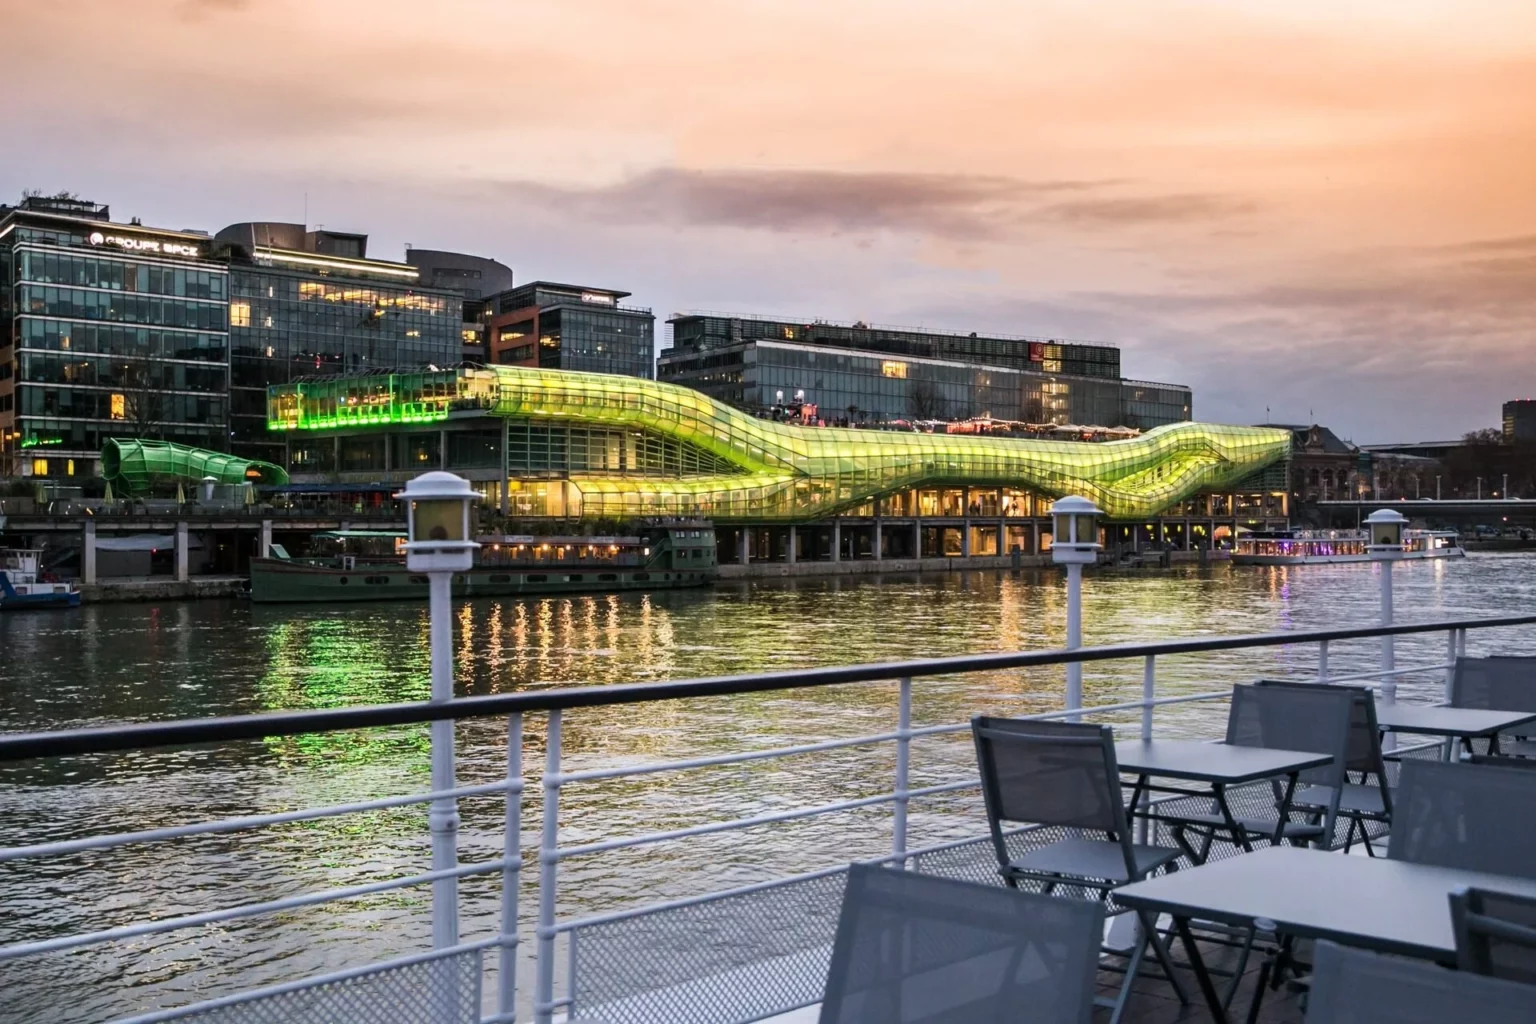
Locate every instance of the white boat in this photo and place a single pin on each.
(1305, 547)
(24, 585)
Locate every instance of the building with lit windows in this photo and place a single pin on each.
(571, 327)
(539, 442)
(856, 373)
(106, 329)
(476, 278)
(305, 302)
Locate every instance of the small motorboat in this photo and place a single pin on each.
(23, 584)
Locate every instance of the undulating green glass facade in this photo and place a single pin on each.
(750, 469)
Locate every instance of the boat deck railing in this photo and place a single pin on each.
(737, 953)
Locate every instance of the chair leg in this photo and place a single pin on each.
(1131, 969)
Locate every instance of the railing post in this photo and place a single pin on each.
(903, 760)
(1148, 694)
(511, 852)
(1450, 662)
(1074, 638)
(443, 815)
(1322, 662)
(549, 841)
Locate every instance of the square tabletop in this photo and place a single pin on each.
(1390, 906)
(1439, 720)
(1216, 763)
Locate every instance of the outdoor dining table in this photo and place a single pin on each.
(1465, 724)
(1218, 766)
(1389, 906)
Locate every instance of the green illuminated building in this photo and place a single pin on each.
(594, 445)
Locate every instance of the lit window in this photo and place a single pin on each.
(239, 314)
(894, 369)
(119, 407)
(69, 468)
(39, 467)
(789, 334)
(267, 322)
(413, 334)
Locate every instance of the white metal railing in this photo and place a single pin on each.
(442, 800)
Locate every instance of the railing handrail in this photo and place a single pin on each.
(138, 736)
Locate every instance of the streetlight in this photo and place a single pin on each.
(1386, 547)
(1074, 544)
(438, 545)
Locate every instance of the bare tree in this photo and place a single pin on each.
(925, 401)
(143, 403)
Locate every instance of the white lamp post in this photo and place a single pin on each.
(438, 544)
(1386, 547)
(1074, 544)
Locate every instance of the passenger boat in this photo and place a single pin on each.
(1304, 547)
(369, 565)
(23, 584)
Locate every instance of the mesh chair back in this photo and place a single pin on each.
(1465, 816)
(1495, 761)
(1313, 719)
(1050, 773)
(1505, 683)
(1495, 934)
(1350, 986)
(1364, 734)
(917, 949)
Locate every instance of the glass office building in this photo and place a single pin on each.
(299, 312)
(572, 327)
(864, 387)
(106, 330)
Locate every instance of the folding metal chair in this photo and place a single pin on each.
(1360, 801)
(919, 949)
(1350, 986)
(1468, 816)
(1503, 682)
(1065, 774)
(1495, 934)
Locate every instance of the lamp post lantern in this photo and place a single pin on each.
(1386, 547)
(1074, 544)
(438, 545)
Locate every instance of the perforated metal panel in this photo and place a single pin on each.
(739, 957)
(438, 989)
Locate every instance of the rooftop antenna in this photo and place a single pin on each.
(306, 211)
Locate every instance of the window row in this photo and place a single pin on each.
(110, 371)
(53, 435)
(142, 342)
(137, 407)
(121, 275)
(73, 303)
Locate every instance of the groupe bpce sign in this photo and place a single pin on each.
(147, 245)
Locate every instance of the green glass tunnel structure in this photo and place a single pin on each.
(732, 466)
(131, 464)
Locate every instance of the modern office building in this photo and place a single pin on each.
(595, 447)
(857, 373)
(1520, 420)
(476, 278)
(571, 327)
(305, 302)
(106, 329)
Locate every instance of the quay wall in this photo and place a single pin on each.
(870, 566)
(161, 588)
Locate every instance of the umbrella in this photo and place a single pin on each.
(250, 493)
(106, 495)
(41, 495)
(181, 495)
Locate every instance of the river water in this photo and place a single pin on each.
(111, 663)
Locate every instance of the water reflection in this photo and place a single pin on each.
(106, 663)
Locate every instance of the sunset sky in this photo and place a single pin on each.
(1324, 208)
